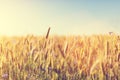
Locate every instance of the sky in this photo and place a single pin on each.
(65, 17)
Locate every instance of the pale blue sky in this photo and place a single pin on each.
(65, 17)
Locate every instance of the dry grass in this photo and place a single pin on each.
(95, 57)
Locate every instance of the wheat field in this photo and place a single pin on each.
(95, 57)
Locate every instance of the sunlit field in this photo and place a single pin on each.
(47, 57)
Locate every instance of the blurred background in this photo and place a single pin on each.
(65, 17)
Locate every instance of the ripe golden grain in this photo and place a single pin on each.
(60, 57)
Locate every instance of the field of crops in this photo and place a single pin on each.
(95, 57)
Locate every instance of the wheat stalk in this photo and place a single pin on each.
(48, 33)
